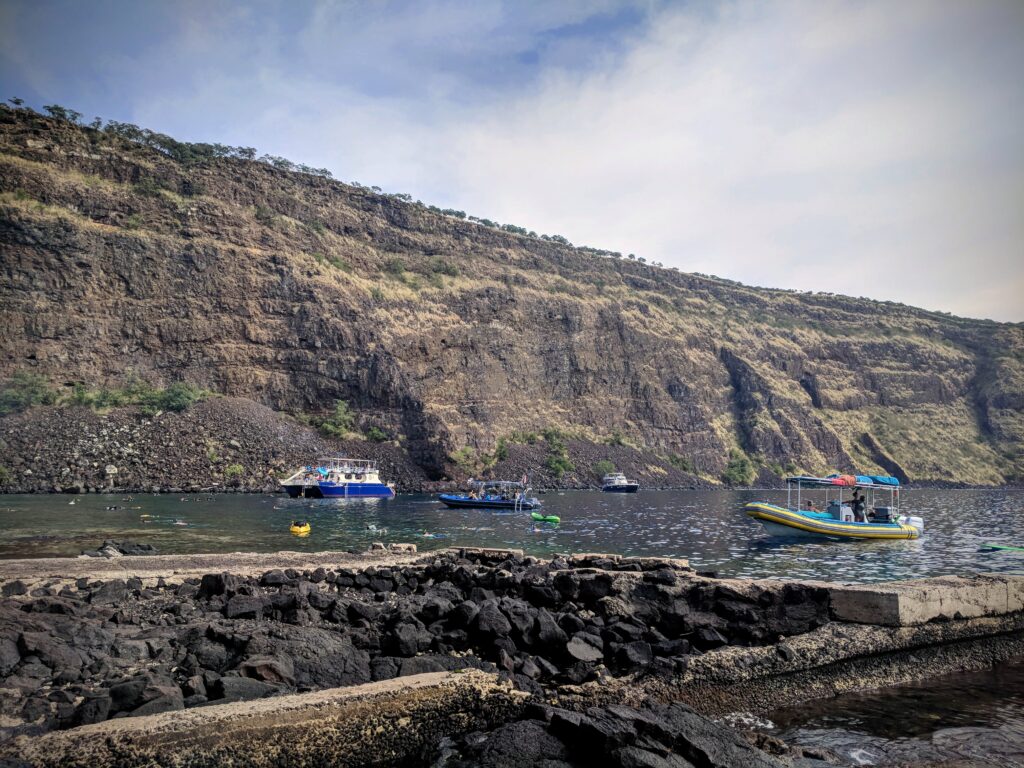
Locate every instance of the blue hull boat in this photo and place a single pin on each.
(461, 500)
(331, 490)
(338, 478)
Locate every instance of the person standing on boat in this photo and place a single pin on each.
(857, 503)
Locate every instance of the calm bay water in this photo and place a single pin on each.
(708, 527)
(960, 717)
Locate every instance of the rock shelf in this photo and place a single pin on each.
(89, 645)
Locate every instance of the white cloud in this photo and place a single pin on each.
(836, 147)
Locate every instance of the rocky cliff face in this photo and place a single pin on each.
(294, 291)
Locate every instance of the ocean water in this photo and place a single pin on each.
(958, 717)
(708, 527)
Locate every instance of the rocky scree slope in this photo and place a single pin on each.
(294, 290)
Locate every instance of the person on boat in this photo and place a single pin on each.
(857, 503)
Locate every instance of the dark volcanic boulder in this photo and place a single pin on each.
(214, 584)
(320, 658)
(113, 591)
(9, 656)
(269, 669)
(490, 621)
(409, 637)
(241, 688)
(548, 633)
(246, 607)
(15, 587)
(656, 736)
(524, 743)
(145, 695)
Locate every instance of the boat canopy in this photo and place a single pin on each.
(496, 484)
(883, 482)
(361, 466)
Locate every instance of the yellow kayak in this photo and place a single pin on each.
(780, 521)
(300, 528)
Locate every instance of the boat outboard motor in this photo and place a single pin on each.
(914, 520)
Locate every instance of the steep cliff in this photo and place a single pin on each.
(294, 290)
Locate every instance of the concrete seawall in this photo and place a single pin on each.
(743, 645)
(384, 723)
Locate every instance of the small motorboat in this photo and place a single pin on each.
(300, 527)
(616, 482)
(856, 518)
(492, 494)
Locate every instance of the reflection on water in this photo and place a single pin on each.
(975, 715)
(708, 527)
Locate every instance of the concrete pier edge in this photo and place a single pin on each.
(380, 723)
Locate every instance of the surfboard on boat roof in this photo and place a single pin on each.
(873, 514)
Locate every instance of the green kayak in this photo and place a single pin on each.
(988, 547)
(545, 518)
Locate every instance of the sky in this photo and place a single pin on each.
(864, 148)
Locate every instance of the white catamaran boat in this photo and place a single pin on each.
(338, 478)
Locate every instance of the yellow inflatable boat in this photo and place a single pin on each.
(300, 528)
(858, 517)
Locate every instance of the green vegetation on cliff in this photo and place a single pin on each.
(24, 390)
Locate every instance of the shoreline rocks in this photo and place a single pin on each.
(584, 631)
(111, 548)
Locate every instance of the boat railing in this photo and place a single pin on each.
(825, 484)
(347, 465)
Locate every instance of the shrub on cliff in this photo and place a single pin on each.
(443, 267)
(680, 462)
(339, 423)
(23, 390)
(176, 397)
(603, 467)
(501, 450)
(739, 470)
(376, 434)
(616, 438)
(466, 459)
(558, 461)
(559, 464)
